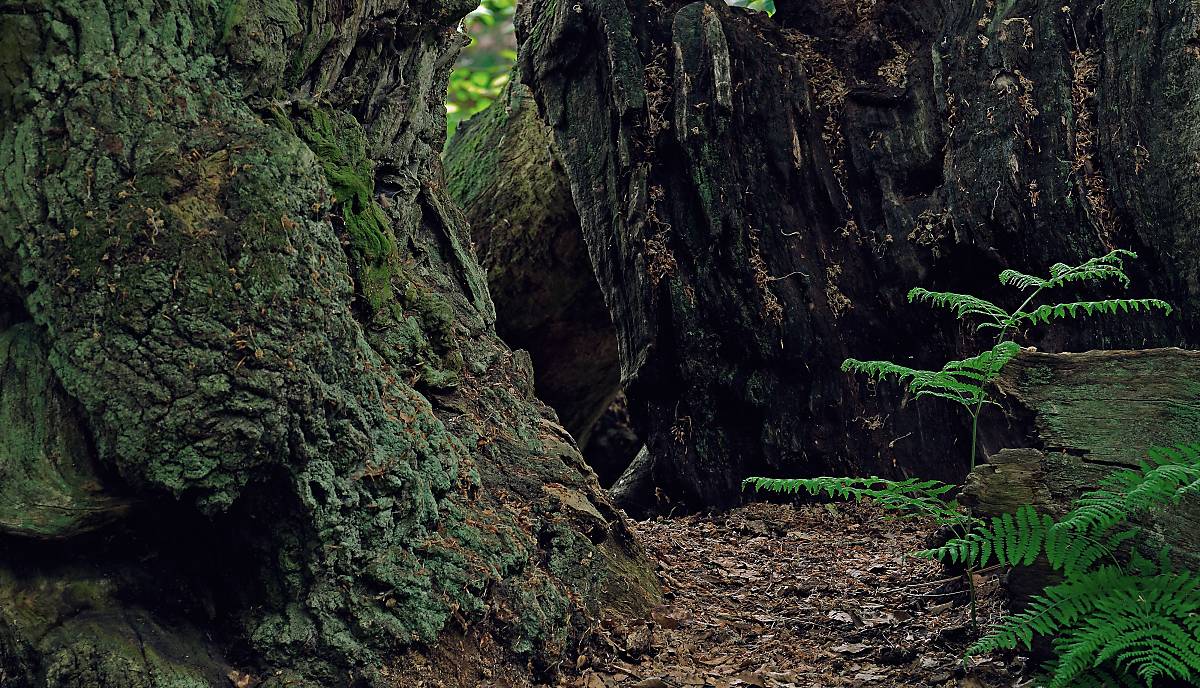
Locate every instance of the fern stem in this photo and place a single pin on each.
(974, 599)
(975, 431)
(1008, 324)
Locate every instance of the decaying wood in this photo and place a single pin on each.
(1089, 414)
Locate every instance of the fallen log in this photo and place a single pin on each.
(1087, 415)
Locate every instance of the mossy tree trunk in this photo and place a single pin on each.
(259, 422)
(501, 168)
(758, 194)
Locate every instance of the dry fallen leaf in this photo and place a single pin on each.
(651, 683)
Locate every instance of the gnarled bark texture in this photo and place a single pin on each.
(757, 195)
(228, 262)
(501, 169)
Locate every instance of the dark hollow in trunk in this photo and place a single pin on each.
(501, 169)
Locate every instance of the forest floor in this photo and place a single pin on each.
(780, 596)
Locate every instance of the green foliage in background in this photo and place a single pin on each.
(484, 66)
(767, 6)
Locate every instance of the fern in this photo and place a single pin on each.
(1117, 612)
(1120, 617)
(963, 305)
(1170, 474)
(925, 497)
(1106, 267)
(966, 382)
(959, 381)
(1046, 313)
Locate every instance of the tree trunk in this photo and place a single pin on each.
(757, 195)
(1090, 413)
(501, 168)
(258, 424)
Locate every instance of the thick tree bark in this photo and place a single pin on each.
(757, 195)
(501, 169)
(1089, 414)
(243, 321)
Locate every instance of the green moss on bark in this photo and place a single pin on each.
(197, 271)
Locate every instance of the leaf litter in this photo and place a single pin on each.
(804, 596)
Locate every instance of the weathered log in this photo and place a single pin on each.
(757, 195)
(501, 168)
(1088, 414)
(227, 222)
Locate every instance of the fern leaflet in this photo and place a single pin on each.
(925, 497)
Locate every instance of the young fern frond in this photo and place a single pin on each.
(1110, 266)
(962, 305)
(1106, 267)
(1020, 280)
(923, 497)
(1048, 312)
(881, 370)
(959, 381)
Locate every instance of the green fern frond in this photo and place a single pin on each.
(1049, 614)
(1048, 312)
(1012, 540)
(1171, 473)
(1020, 280)
(925, 497)
(1147, 626)
(1111, 621)
(880, 370)
(962, 305)
(1106, 267)
(959, 381)
(964, 381)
